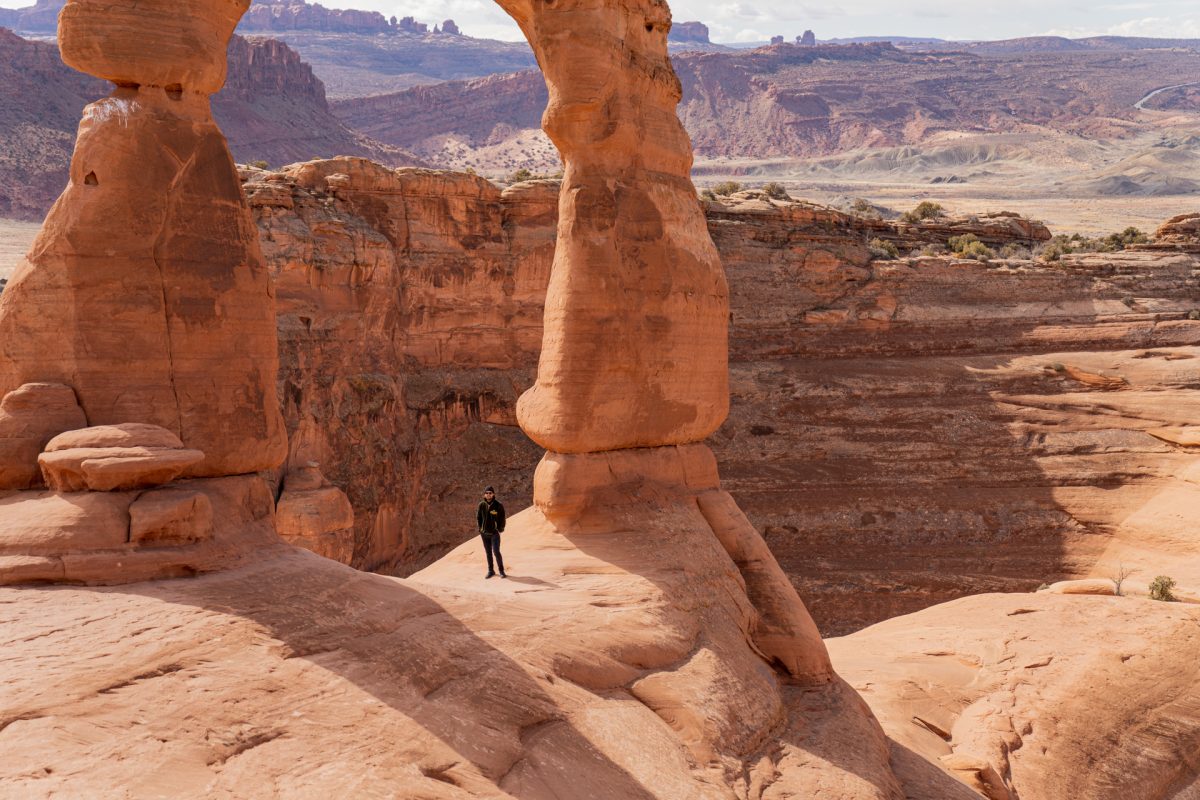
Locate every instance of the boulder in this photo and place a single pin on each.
(315, 515)
(30, 416)
(1096, 586)
(115, 458)
(170, 517)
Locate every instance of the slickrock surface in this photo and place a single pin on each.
(905, 432)
(145, 291)
(599, 663)
(1040, 697)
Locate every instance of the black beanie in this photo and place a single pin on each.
(489, 489)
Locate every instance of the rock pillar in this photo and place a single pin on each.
(634, 365)
(145, 291)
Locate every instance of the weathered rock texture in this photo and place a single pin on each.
(634, 352)
(272, 109)
(30, 416)
(145, 291)
(1036, 697)
(905, 432)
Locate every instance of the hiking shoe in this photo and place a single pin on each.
(503, 575)
(489, 575)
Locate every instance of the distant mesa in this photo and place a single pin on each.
(295, 15)
(808, 39)
(776, 40)
(689, 32)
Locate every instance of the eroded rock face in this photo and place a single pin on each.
(145, 291)
(980, 388)
(30, 416)
(1009, 700)
(115, 458)
(634, 353)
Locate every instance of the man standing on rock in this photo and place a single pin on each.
(491, 524)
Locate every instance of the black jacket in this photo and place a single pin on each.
(490, 517)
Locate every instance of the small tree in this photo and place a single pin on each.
(881, 248)
(1118, 578)
(775, 191)
(520, 175)
(726, 188)
(924, 210)
(1161, 589)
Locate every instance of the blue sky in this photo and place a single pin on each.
(756, 20)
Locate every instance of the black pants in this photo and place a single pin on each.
(491, 544)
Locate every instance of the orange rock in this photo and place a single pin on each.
(145, 290)
(160, 43)
(170, 516)
(315, 515)
(635, 346)
(29, 417)
(115, 458)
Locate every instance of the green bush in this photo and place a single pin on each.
(1011, 250)
(520, 175)
(1161, 589)
(881, 248)
(708, 194)
(924, 210)
(726, 188)
(1062, 244)
(969, 246)
(260, 164)
(776, 191)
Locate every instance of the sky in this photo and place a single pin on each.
(758, 20)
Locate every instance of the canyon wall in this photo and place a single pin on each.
(904, 432)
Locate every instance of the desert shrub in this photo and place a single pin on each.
(520, 175)
(775, 191)
(1161, 589)
(933, 250)
(260, 164)
(924, 210)
(881, 248)
(969, 246)
(708, 194)
(1062, 244)
(726, 188)
(1131, 235)
(1194, 314)
(1011, 250)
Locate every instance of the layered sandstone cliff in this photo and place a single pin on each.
(905, 432)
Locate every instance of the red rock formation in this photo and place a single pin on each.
(160, 318)
(820, 332)
(272, 109)
(626, 212)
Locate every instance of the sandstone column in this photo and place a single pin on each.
(145, 291)
(635, 346)
(634, 366)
